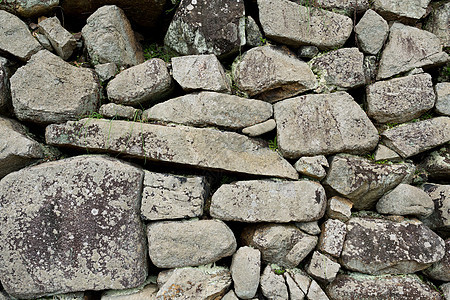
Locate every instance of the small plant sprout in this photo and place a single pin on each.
(273, 144)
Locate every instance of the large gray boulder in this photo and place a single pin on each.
(5, 92)
(61, 40)
(362, 181)
(109, 38)
(440, 219)
(49, 90)
(407, 246)
(269, 201)
(197, 147)
(16, 38)
(270, 74)
(213, 27)
(211, 109)
(408, 48)
(441, 270)
(245, 271)
(174, 244)
(437, 22)
(289, 23)
(443, 98)
(401, 9)
(371, 32)
(66, 230)
(29, 8)
(323, 124)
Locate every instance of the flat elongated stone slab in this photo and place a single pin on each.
(269, 201)
(203, 148)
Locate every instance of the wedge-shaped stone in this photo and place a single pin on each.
(390, 247)
(211, 109)
(323, 124)
(413, 138)
(371, 32)
(401, 9)
(72, 225)
(203, 148)
(269, 201)
(174, 244)
(62, 40)
(286, 22)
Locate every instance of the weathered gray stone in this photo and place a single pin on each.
(200, 72)
(309, 227)
(384, 153)
(401, 9)
(44, 41)
(67, 296)
(370, 68)
(285, 245)
(437, 164)
(50, 90)
(29, 8)
(230, 296)
(406, 199)
(339, 208)
(322, 268)
(295, 293)
(332, 238)
(147, 292)
(286, 22)
(390, 247)
(408, 48)
(364, 182)
(213, 27)
(315, 292)
(254, 37)
(245, 272)
(142, 84)
(112, 110)
(440, 219)
(62, 41)
(5, 93)
(339, 70)
(307, 51)
(445, 288)
(269, 201)
(16, 38)
(442, 98)
(313, 166)
(109, 38)
(413, 138)
(211, 109)
(441, 270)
(438, 22)
(270, 73)
(173, 244)
(346, 7)
(371, 32)
(323, 124)
(400, 99)
(260, 128)
(203, 148)
(273, 286)
(65, 229)
(167, 196)
(302, 279)
(106, 71)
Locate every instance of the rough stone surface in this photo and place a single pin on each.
(203, 148)
(286, 22)
(307, 51)
(62, 41)
(390, 247)
(400, 99)
(15, 38)
(245, 271)
(339, 208)
(371, 32)
(211, 109)
(167, 196)
(285, 245)
(313, 166)
(109, 38)
(384, 153)
(346, 7)
(106, 71)
(332, 238)
(309, 227)
(260, 128)
(408, 48)
(438, 22)
(443, 98)
(406, 199)
(269, 201)
(112, 110)
(315, 292)
(173, 244)
(440, 219)
(400, 9)
(322, 268)
(44, 41)
(50, 90)
(230, 296)
(142, 84)
(341, 69)
(147, 292)
(65, 229)
(273, 286)
(271, 74)
(5, 93)
(29, 8)
(437, 164)
(445, 288)
(302, 280)
(295, 293)
(323, 124)
(370, 67)
(254, 37)
(441, 270)
(200, 72)
(364, 182)
(413, 138)
(213, 27)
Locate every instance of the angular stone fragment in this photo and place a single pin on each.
(44, 41)
(286, 22)
(315, 292)
(62, 41)
(211, 109)
(413, 138)
(370, 68)
(147, 292)
(213, 27)
(339, 208)
(322, 268)
(167, 196)
(445, 288)
(254, 37)
(29, 8)
(339, 70)
(65, 229)
(313, 166)
(401, 9)
(323, 124)
(174, 244)
(440, 219)
(271, 74)
(362, 181)
(15, 37)
(301, 279)
(5, 93)
(200, 72)
(346, 7)
(142, 84)
(441, 270)
(442, 98)
(437, 164)
(390, 247)
(438, 22)
(260, 128)
(408, 48)
(307, 51)
(106, 71)
(384, 153)
(50, 90)
(309, 227)
(66, 296)
(371, 32)
(295, 293)
(202, 148)
(230, 296)
(245, 272)
(114, 111)
(273, 286)
(332, 238)
(109, 38)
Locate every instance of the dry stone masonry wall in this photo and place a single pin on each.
(225, 149)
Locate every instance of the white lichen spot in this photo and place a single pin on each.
(190, 7)
(94, 211)
(194, 2)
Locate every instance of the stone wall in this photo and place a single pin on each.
(224, 149)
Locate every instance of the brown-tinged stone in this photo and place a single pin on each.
(339, 208)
